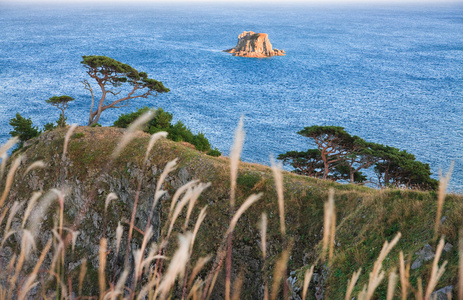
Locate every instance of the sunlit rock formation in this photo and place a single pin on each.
(251, 44)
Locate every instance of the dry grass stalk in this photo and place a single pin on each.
(109, 198)
(198, 266)
(436, 272)
(404, 271)
(66, 140)
(119, 232)
(250, 201)
(130, 133)
(179, 192)
(10, 266)
(158, 193)
(102, 267)
(59, 250)
(178, 209)
(327, 219)
(147, 291)
(197, 190)
(3, 215)
(214, 280)
(195, 291)
(237, 286)
(13, 211)
(235, 153)
(170, 166)
(25, 249)
(4, 154)
(4, 158)
(202, 215)
(7, 146)
(176, 267)
(276, 169)
(307, 277)
(351, 284)
(9, 179)
(332, 234)
(29, 283)
(419, 292)
(61, 211)
(392, 282)
(119, 288)
(82, 272)
(278, 274)
(33, 166)
(150, 257)
(460, 265)
(30, 206)
(263, 234)
(27, 243)
(153, 139)
(74, 234)
(39, 212)
(140, 252)
(443, 183)
(376, 276)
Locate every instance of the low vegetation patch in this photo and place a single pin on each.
(140, 225)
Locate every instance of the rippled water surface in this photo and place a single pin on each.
(392, 75)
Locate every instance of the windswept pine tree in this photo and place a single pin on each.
(110, 73)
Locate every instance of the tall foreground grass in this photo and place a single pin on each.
(156, 269)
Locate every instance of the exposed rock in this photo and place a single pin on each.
(442, 293)
(293, 287)
(447, 247)
(251, 44)
(424, 254)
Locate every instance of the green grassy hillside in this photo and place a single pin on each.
(366, 218)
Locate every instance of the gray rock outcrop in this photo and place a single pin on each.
(424, 255)
(443, 293)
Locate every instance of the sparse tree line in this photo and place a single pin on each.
(340, 156)
(109, 75)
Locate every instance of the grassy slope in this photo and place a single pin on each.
(366, 217)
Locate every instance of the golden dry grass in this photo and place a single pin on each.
(157, 276)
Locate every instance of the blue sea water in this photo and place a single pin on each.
(392, 75)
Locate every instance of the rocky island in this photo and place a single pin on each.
(251, 44)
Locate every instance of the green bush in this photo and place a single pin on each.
(161, 121)
(49, 126)
(23, 129)
(214, 152)
(201, 142)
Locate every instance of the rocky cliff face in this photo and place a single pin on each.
(86, 175)
(251, 44)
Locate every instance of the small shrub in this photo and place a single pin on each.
(161, 121)
(49, 126)
(214, 152)
(248, 180)
(78, 135)
(23, 129)
(201, 143)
